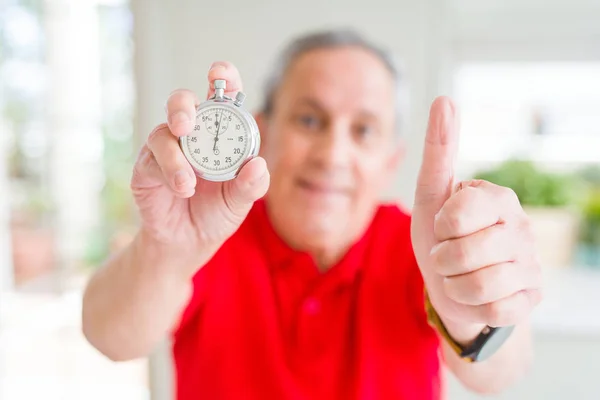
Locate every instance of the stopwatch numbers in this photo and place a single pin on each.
(220, 139)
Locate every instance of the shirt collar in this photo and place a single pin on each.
(280, 255)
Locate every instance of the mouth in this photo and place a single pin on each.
(322, 188)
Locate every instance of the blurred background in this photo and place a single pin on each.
(82, 82)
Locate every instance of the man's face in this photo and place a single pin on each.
(330, 146)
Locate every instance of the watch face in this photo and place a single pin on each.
(220, 142)
(494, 341)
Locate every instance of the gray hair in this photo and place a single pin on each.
(329, 39)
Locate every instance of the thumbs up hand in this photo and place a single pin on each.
(472, 240)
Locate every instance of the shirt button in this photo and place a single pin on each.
(312, 306)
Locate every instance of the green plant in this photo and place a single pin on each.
(590, 175)
(533, 186)
(590, 229)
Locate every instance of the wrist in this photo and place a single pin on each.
(463, 333)
(168, 259)
(459, 333)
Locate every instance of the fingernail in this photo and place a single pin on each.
(434, 248)
(216, 65)
(258, 179)
(179, 118)
(181, 178)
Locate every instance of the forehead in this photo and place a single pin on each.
(341, 79)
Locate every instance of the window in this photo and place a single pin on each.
(545, 112)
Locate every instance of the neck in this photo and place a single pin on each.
(325, 249)
(326, 258)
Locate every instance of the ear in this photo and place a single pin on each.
(263, 125)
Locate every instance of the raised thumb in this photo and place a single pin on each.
(436, 175)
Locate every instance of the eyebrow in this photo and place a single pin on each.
(308, 101)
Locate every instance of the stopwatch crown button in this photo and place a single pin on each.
(220, 84)
(239, 98)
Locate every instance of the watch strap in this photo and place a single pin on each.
(435, 321)
(485, 344)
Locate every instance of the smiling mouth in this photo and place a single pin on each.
(322, 189)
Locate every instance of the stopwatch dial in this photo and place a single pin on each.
(214, 121)
(218, 147)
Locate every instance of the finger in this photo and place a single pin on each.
(251, 184)
(181, 111)
(508, 311)
(492, 283)
(228, 72)
(476, 205)
(177, 171)
(493, 245)
(146, 172)
(434, 183)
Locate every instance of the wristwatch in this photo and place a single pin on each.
(485, 344)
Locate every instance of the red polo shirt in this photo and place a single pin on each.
(264, 323)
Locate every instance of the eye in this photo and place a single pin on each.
(309, 121)
(364, 130)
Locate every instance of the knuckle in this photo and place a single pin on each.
(179, 95)
(143, 164)
(453, 219)
(160, 129)
(450, 287)
(145, 157)
(179, 92)
(495, 313)
(478, 288)
(436, 259)
(523, 237)
(469, 197)
(178, 98)
(461, 253)
(509, 196)
(525, 227)
(449, 223)
(499, 313)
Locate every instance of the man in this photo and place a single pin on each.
(316, 291)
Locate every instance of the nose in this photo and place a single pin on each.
(333, 148)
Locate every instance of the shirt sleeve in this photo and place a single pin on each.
(416, 292)
(200, 285)
(415, 285)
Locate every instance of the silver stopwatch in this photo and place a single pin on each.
(225, 136)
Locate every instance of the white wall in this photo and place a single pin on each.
(564, 369)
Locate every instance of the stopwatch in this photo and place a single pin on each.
(225, 136)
